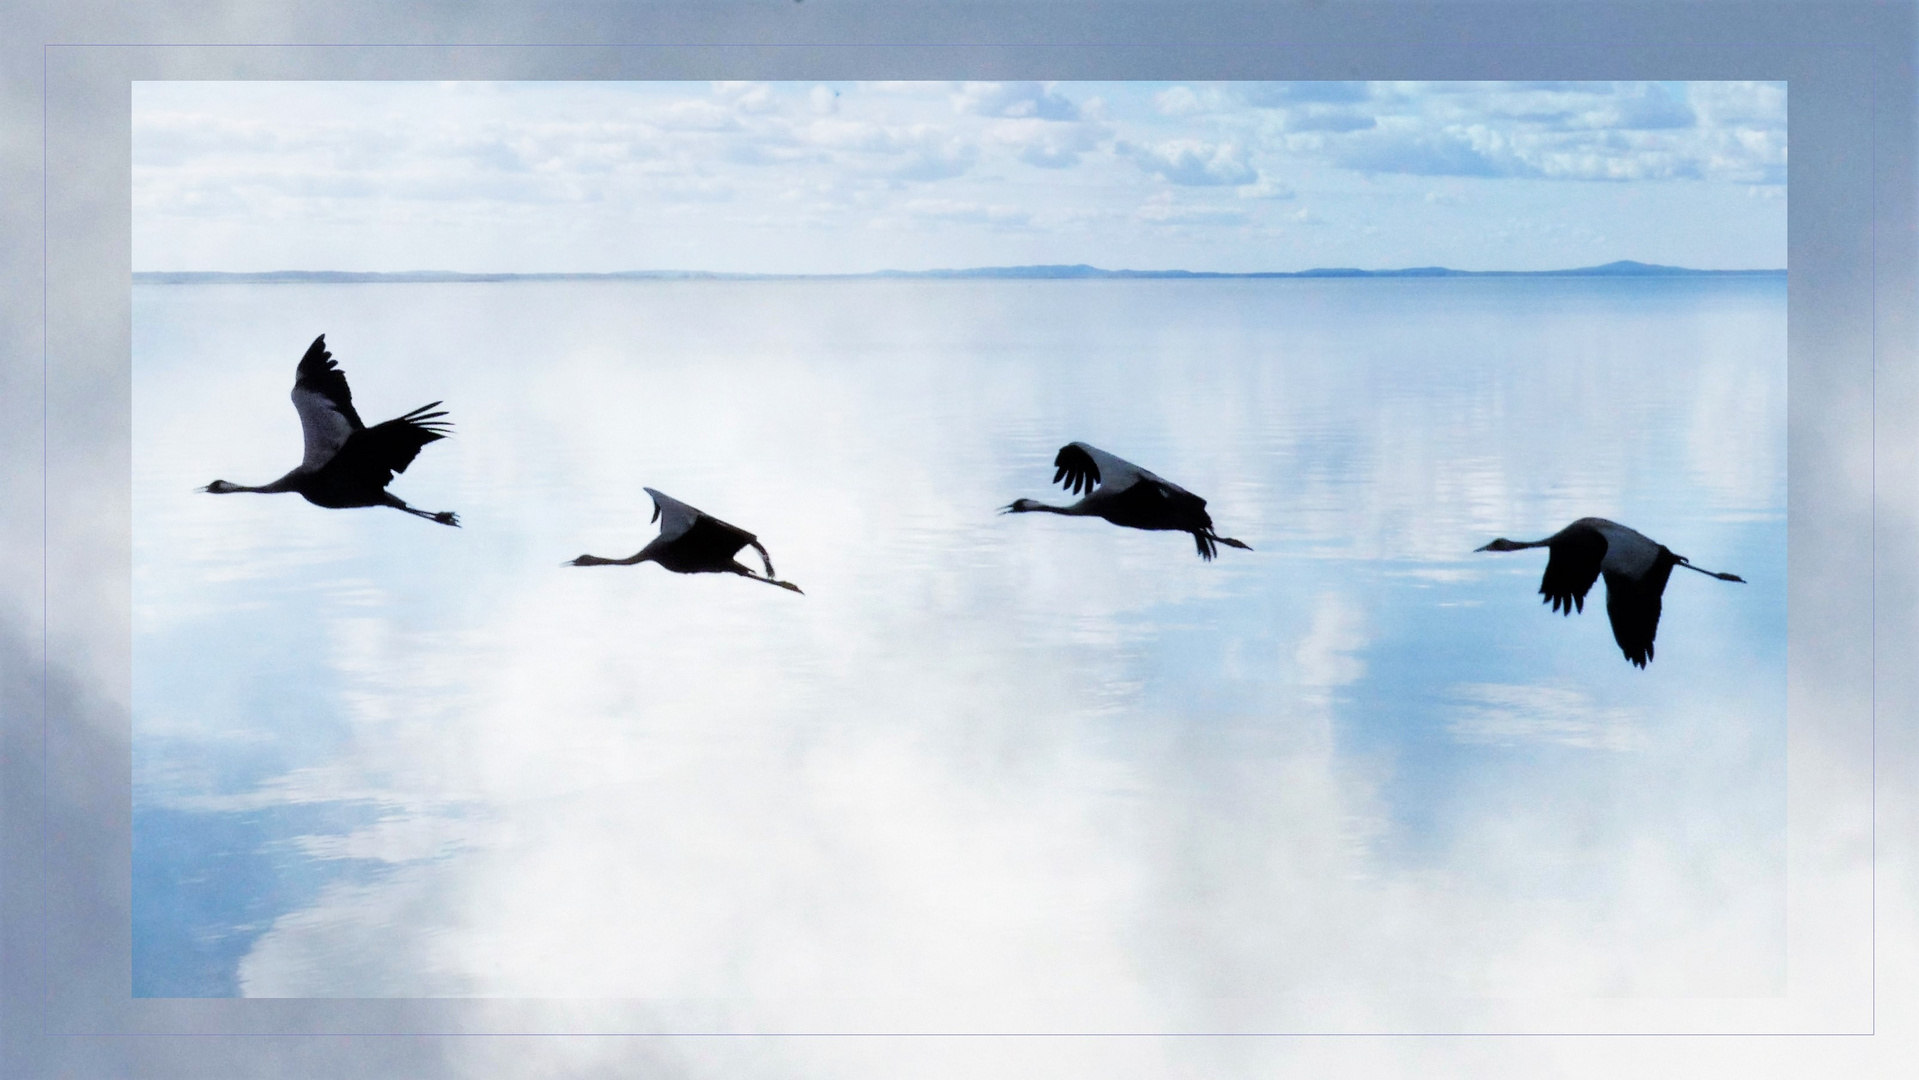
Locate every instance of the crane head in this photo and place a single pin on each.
(1503, 544)
(220, 487)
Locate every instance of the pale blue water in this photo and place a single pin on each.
(377, 756)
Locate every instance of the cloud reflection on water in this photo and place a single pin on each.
(990, 773)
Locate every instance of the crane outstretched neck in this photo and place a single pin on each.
(595, 560)
(1503, 544)
(1029, 506)
(221, 487)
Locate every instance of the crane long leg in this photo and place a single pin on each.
(444, 517)
(764, 557)
(1709, 573)
(769, 579)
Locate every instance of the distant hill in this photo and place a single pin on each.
(1622, 268)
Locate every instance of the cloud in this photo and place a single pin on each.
(1267, 188)
(747, 97)
(165, 139)
(925, 89)
(936, 156)
(1645, 108)
(1487, 151)
(1595, 106)
(1548, 131)
(1165, 211)
(1177, 101)
(968, 213)
(1192, 163)
(1469, 152)
(1044, 143)
(694, 115)
(1754, 105)
(860, 135)
(1325, 118)
(1314, 106)
(909, 152)
(1014, 100)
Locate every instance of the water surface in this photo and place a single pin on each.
(990, 772)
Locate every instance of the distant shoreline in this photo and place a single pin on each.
(1624, 268)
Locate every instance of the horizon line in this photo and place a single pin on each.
(1621, 267)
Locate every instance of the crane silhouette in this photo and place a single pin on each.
(1636, 570)
(1125, 494)
(692, 541)
(348, 464)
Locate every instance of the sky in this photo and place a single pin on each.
(858, 177)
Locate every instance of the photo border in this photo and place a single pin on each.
(1832, 312)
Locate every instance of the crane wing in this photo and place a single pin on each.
(699, 530)
(1634, 611)
(372, 455)
(1571, 569)
(1082, 467)
(674, 516)
(325, 405)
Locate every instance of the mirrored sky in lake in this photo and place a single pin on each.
(991, 772)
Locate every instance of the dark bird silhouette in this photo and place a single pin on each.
(1636, 570)
(692, 541)
(347, 463)
(1125, 494)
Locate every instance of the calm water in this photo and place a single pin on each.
(991, 772)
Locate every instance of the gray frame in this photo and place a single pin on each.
(67, 772)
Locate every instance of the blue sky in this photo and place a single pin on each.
(853, 177)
